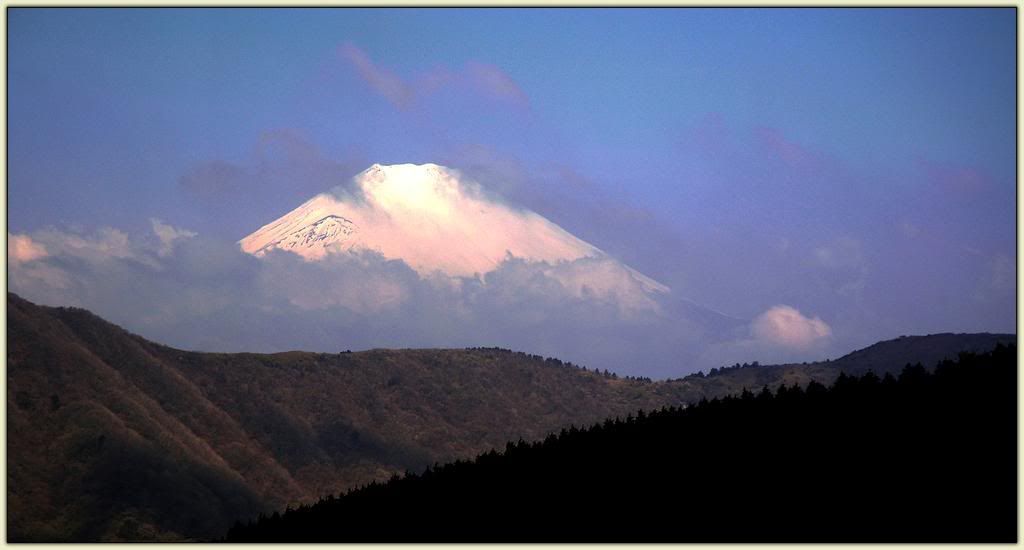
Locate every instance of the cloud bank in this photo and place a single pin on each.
(760, 220)
(193, 292)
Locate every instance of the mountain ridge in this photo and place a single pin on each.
(102, 422)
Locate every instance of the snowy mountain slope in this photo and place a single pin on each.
(436, 221)
(313, 239)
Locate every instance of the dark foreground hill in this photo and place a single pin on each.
(919, 458)
(113, 437)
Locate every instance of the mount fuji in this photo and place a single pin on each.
(439, 222)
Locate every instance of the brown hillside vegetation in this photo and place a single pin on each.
(113, 437)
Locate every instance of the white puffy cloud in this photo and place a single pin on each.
(21, 248)
(785, 326)
(26, 268)
(606, 280)
(103, 244)
(167, 235)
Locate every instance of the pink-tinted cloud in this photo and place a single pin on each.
(492, 81)
(385, 82)
(954, 178)
(787, 327)
(21, 249)
(790, 152)
(435, 79)
(482, 79)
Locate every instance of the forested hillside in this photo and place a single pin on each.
(113, 437)
(919, 458)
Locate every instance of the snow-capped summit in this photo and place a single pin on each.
(433, 219)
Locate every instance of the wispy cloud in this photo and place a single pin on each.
(215, 178)
(795, 155)
(385, 82)
(482, 79)
(283, 167)
(954, 178)
(492, 81)
(280, 159)
(1003, 273)
(997, 283)
(840, 265)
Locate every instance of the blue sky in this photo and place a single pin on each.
(857, 164)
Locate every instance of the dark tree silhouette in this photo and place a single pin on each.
(923, 457)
